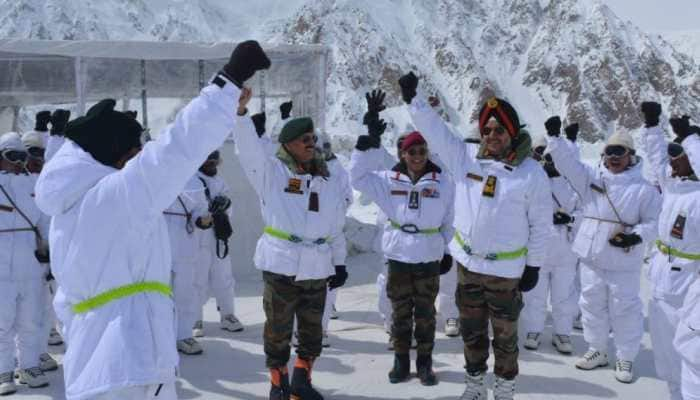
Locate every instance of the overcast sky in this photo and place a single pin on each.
(659, 15)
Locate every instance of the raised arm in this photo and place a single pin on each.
(364, 177)
(576, 172)
(253, 153)
(655, 147)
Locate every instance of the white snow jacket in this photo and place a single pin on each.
(636, 202)
(287, 209)
(108, 231)
(18, 241)
(566, 200)
(411, 208)
(517, 217)
(181, 217)
(679, 224)
(53, 143)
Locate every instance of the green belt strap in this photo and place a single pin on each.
(276, 233)
(405, 228)
(503, 256)
(673, 252)
(121, 292)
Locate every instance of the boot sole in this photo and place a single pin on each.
(191, 354)
(626, 382)
(561, 351)
(591, 369)
(232, 330)
(400, 380)
(49, 369)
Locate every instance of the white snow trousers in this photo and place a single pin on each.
(558, 285)
(384, 305)
(611, 299)
(215, 278)
(447, 307)
(48, 321)
(21, 313)
(663, 320)
(185, 297)
(143, 392)
(687, 343)
(331, 296)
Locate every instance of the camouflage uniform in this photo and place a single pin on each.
(481, 298)
(283, 298)
(412, 289)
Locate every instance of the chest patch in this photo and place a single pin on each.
(678, 227)
(399, 192)
(490, 187)
(431, 193)
(414, 200)
(475, 177)
(6, 208)
(294, 186)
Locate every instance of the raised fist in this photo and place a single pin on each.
(259, 122)
(553, 126)
(409, 84)
(286, 109)
(572, 132)
(651, 111)
(247, 58)
(59, 120)
(42, 121)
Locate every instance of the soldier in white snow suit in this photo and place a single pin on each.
(59, 119)
(417, 199)
(503, 219)
(215, 273)
(23, 249)
(620, 212)
(558, 276)
(675, 261)
(111, 254)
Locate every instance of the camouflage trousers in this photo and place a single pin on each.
(484, 298)
(283, 299)
(412, 289)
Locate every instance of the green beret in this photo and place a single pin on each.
(295, 129)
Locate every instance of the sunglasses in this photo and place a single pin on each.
(309, 139)
(36, 152)
(616, 151)
(14, 156)
(417, 151)
(485, 131)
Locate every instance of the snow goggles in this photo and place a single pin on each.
(616, 151)
(36, 152)
(675, 151)
(14, 156)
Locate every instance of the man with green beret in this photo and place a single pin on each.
(302, 251)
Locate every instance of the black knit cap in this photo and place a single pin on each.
(104, 133)
(504, 113)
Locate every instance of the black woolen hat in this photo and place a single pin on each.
(104, 133)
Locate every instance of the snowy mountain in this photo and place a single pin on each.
(684, 41)
(571, 57)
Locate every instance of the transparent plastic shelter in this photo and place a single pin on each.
(36, 72)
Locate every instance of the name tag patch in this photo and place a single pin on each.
(414, 201)
(431, 193)
(490, 187)
(597, 188)
(678, 227)
(6, 208)
(399, 192)
(475, 177)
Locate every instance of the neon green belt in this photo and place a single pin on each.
(412, 228)
(673, 252)
(121, 292)
(276, 233)
(503, 256)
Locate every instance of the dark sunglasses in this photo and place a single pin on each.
(417, 152)
(14, 156)
(36, 152)
(616, 151)
(539, 150)
(485, 131)
(309, 139)
(675, 151)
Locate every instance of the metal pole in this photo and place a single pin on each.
(321, 101)
(200, 70)
(80, 85)
(263, 74)
(144, 96)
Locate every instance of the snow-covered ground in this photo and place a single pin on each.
(356, 364)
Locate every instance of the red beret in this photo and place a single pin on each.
(504, 113)
(411, 140)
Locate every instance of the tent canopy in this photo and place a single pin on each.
(61, 72)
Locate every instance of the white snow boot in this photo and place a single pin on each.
(334, 313)
(198, 329)
(231, 323)
(451, 327)
(623, 371)
(7, 383)
(563, 344)
(577, 323)
(503, 389)
(55, 338)
(33, 377)
(532, 341)
(592, 360)
(189, 346)
(47, 363)
(476, 388)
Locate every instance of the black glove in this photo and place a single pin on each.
(445, 264)
(366, 142)
(247, 58)
(42, 256)
(694, 129)
(286, 109)
(259, 122)
(561, 218)
(131, 113)
(59, 120)
(553, 126)
(680, 126)
(409, 84)
(375, 104)
(338, 280)
(219, 204)
(625, 240)
(529, 279)
(651, 111)
(572, 132)
(376, 128)
(49, 276)
(42, 121)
